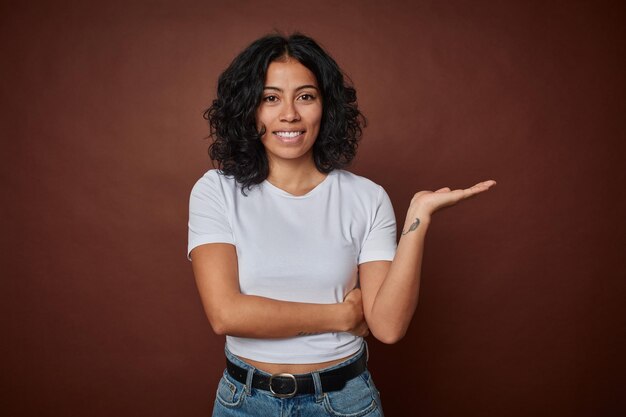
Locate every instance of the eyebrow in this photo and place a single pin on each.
(269, 87)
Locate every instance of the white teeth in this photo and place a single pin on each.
(288, 134)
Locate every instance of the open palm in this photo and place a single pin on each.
(431, 201)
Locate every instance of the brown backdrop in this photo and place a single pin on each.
(522, 305)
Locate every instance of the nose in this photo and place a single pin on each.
(289, 113)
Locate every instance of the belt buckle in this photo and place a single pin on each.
(288, 395)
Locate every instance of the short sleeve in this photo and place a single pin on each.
(208, 221)
(380, 242)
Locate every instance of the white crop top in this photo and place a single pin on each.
(295, 248)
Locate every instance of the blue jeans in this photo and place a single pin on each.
(358, 398)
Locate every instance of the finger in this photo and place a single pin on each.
(478, 188)
(486, 184)
(443, 190)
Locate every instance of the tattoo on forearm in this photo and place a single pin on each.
(413, 226)
(307, 333)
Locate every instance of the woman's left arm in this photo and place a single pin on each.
(390, 289)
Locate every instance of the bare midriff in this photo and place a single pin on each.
(303, 368)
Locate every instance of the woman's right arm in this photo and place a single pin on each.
(236, 314)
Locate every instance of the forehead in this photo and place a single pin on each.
(288, 74)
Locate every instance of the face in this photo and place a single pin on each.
(290, 111)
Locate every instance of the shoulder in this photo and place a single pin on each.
(358, 183)
(217, 175)
(357, 190)
(215, 186)
(214, 179)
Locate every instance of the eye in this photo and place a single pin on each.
(307, 97)
(270, 99)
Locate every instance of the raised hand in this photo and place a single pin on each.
(425, 203)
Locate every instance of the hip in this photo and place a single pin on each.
(245, 391)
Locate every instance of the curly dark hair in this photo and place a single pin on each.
(237, 145)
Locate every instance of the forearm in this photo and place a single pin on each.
(233, 313)
(396, 300)
(260, 317)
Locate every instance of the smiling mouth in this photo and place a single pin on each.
(290, 137)
(283, 134)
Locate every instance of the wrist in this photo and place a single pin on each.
(416, 223)
(419, 210)
(422, 216)
(340, 313)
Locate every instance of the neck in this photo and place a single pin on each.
(294, 175)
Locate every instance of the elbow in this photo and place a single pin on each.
(225, 319)
(219, 328)
(219, 323)
(389, 337)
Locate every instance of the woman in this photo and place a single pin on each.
(295, 258)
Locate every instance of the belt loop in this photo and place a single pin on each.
(249, 380)
(367, 351)
(317, 383)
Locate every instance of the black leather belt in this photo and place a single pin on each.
(288, 385)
